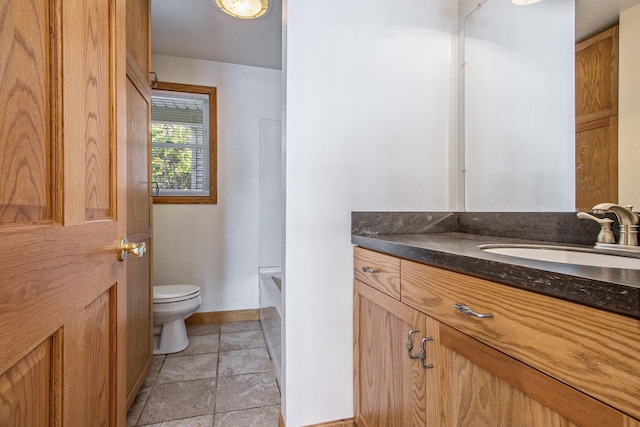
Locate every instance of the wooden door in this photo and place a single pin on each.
(480, 386)
(391, 389)
(139, 290)
(62, 209)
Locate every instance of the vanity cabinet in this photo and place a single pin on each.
(391, 388)
(537, 361)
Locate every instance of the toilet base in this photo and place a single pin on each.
(171, 339)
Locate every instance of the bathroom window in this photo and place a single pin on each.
(183, 144)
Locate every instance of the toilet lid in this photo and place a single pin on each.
(164, 293)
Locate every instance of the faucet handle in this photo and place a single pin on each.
(605, 235)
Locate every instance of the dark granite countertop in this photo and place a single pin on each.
(612, 289)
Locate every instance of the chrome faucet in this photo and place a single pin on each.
(627, 220)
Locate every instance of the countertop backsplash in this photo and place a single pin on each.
(559, 227)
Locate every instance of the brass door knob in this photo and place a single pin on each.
(125, 248)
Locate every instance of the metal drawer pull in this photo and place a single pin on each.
(410, 344)
(369, 270)
(423, 353)
(462, 308)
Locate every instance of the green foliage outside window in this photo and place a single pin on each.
(171, 167)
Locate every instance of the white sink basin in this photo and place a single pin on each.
(564, 255)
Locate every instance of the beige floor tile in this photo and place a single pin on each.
(249, 325)
(247, 361)
(199, 344)
(211, 329)
(174, 401)
(180, 390)
(187, 368)
(156, 365)
(257, 417)
(247, 391)
(241, 340)
(138, 404)
(204, 421)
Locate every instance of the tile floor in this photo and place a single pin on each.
(223, 379)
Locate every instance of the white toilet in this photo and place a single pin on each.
(171, 305)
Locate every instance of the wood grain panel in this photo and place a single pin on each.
(387, 271)
(139, 323)
(138, 31)
(476, 398)
(630, 422)
(72, 267)
(518, 383)
(211, 317)
(57, 264)
(26, 390)
(597, 163)
(25, 142)
(138, 154)
(88, 364)
(390, 387)
(95, 98)
(597, 120)
(139, 290)
(597, 77)
(592, 350)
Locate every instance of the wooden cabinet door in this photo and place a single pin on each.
(597, 119)
(596, 162)
(62, 209)
(139, 291)
(597, 77)
(481, 386)
(391, 389)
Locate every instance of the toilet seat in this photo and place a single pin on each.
(174, 293)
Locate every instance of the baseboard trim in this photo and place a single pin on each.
(207, 318)
(347, 422)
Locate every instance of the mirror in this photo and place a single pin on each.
(518, 115)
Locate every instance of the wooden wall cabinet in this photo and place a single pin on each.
(532, 364)
(597, 120)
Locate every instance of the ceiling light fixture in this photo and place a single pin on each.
(524, 2)
(243, 9)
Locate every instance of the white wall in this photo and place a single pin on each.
(370, 88)
(271, 197)
(519, 107)
(629, 108)
(216, 246)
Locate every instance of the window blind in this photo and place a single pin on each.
(180, 144)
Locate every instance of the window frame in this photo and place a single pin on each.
(213, 138)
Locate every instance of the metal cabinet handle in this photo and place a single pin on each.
(462, 308)
(410, 344)
(369, 270)
(423, 353)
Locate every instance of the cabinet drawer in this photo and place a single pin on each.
(592, 350)
(378, 270)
